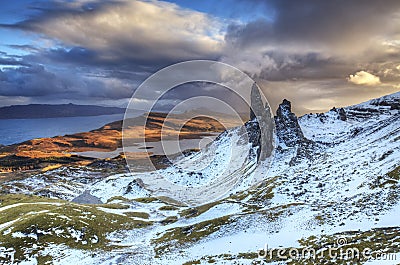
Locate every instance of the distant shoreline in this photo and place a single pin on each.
(44, 111)
(60, 117)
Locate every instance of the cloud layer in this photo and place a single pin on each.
(130, 30)
(317, 53)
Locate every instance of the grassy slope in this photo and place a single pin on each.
(41, 221)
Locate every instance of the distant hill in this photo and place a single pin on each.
(36, 111)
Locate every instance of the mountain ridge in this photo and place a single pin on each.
(36, 111)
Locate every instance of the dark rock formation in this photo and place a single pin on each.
(289, 133)
(374, 107)
(287, 126)
(87, 198)
(14, 163)
(257, 105)
(363, 113)
(260, 128)
(388, 101)
(116, 164)
(341, 113)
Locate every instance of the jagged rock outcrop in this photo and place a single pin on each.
(260, 128)
(341, 113)
(287, 126)
(289, 133)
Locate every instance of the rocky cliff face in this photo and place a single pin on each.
(341, 113)
(392, 101)
(290, 135)
(260, 128)
(388, 105)
(287, 126)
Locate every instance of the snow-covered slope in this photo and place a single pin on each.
(335, 175)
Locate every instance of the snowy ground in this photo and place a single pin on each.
(343, 187)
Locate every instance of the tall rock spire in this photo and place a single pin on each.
(287, 125)
(289, 133)
(261, 125)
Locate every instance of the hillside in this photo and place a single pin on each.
(333, 183)
(38, 111)
(74, 149)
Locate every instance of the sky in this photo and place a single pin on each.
(318, 54)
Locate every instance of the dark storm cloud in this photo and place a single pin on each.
(98, 49)
(110, 44)
(69, 74)
(90, 58)
(29, 81)
(310, 66)
(37, 81)
(320, 52)
(316, 22)
(105, 49)
(319, 39)
(25, 47)
(332, 22)
(8, 61)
